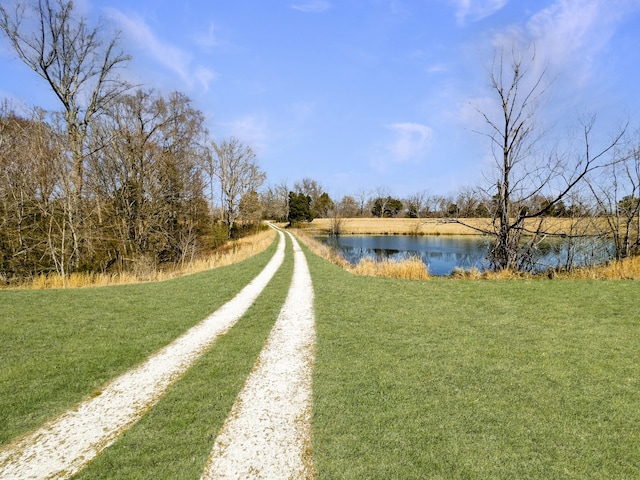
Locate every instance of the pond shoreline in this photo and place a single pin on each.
(445, 254)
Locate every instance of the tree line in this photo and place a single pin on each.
(121, 177)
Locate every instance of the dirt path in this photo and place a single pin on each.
(63, 446)
(268, 432)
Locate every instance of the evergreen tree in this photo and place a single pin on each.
(299, 208)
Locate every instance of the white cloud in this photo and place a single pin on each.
(313, 6)
(411, 142)
(208, 39)
(252, 130)
(475, 10)
(569, 34)
(438, 68)
(174, 58)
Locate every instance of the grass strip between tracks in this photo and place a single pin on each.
(175, 438)
(475, 379)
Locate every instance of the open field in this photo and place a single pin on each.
(438, 379)
(475, 379)
(422, 226)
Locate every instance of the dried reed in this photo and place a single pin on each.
(625, 269)
(412, 268)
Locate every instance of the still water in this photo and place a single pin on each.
(444, 253)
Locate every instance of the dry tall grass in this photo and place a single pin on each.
(626, 269)
(412, 268)
(233, 252)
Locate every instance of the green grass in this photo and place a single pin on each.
(58, 346)
(175, 438)
(475, 379)
(440, 379)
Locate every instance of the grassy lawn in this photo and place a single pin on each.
(58, 346)
(437, 379)
(475, 379)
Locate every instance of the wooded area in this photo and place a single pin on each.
(121, 177)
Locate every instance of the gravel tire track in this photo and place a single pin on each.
(63, 446)
(268, 431)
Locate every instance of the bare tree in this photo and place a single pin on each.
(417, 204)
(80, 67)
(617, 193)
(250, 209)
(362, 197)
(147, 181)
(238, 172)
(75, 61)
(348, 207)
(275, 199)
(31, 195)
(522, 170)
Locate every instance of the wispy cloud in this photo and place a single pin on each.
(208, 39)
(438, 68)
(252, 129)
(174, 58)
(475, 10)
(302, 111)
(312, 6)
(411, 142)
(570, 34)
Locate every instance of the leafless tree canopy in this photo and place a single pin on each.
(77, 63)
(238, 172)
(524, 168)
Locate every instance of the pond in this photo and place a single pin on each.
(444, 253)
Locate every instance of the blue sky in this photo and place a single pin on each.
(366, 94)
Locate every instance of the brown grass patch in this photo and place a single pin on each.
(411, 268)
(234, 252)
(626, 269)
(433, 226)
(396, 226)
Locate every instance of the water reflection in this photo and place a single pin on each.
(442, 254)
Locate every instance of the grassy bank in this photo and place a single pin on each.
(57, 346)
(449, 379)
